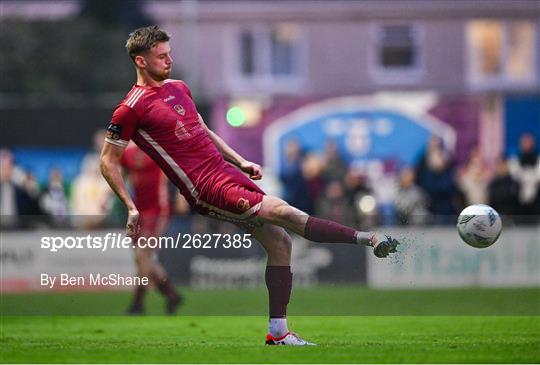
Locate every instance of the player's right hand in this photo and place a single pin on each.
(132, 225)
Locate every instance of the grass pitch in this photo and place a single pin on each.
(487, 334)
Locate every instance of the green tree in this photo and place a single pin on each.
(63, 56)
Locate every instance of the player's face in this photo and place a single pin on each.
(159, 61)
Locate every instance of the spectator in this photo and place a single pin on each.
(312, 168)
(435, 176)
(54, 201)
(433, 152)
(333, 204)
(93, 156)
(294, 185)
(473, 179)
(525, 169)
(30, 206)
(411, 201)
(503, 190)
(90, 196)
(10, 192)
(356, 188)
(335, 167)
(19, 193)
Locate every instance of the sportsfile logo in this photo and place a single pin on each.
(110, 240)
(117, 240)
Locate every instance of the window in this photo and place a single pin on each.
(283, 41)
(520, 64)
(397, 47)
(501, 53)
(397, 53)
(267, 57)
(248, 53)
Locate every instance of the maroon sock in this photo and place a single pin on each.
(279, 283)
(322, 230)
(166, 288)
(138, 297)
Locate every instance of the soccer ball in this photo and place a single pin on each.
(479, 225)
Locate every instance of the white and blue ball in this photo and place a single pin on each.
(479, 225)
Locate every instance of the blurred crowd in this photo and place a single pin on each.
(363, 195)
(433, 191)
(83, 202)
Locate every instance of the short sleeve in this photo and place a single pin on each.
(123, 124)
(186, 89)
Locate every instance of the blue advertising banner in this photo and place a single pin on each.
(364, 129)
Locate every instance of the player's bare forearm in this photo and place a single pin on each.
(252, 169)
(226, 151)
(110, 169)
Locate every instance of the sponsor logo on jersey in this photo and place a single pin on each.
(169, 98)
(242, 204)
(181, 131)
(180, 109)
(114, 131)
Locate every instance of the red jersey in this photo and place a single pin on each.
(148, 181)
(163, 121)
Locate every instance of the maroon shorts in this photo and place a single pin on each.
(152, 222)
(233, 198)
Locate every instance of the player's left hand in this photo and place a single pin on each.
(252, 169)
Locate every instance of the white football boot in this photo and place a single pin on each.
(289, 339)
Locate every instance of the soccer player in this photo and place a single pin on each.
(160, 116)
(152, 201)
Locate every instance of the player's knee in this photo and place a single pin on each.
(279, 210)
(144, 270)
(144, 261)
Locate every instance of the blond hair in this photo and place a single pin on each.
(143, 39)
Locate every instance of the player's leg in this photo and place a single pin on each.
(277, 211)
(153, 223)
(278, 279)
(144, 269)
(165, 286)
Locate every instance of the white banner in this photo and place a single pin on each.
(437, 257)
(429, 257)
